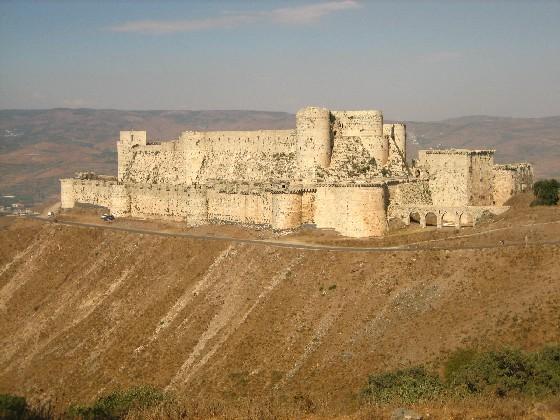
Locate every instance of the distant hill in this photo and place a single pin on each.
(536, 140)
(37, 147)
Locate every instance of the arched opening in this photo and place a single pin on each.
(414, 218)
(448, 219)
(431, 219)
(466, 219)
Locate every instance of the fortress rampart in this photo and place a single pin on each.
(340, 170)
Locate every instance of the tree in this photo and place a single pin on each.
(546, 192)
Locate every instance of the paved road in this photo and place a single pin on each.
(298, 245)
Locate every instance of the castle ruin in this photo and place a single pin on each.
(341, 170)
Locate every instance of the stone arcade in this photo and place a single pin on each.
(341, 170)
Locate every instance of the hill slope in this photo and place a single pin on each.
(85, 310)
(38, 147)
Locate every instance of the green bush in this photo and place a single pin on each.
(468, 372)
(505, 372)
(546, 192)
(457, 362)
(547, 371)
(12, 407)
(404, 386)
(117, 404)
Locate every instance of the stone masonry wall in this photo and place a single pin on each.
(509, 180)
(449, 174)
(411, 192)
(239, 208)
(480, 181)
(157, 164)
(356, 211)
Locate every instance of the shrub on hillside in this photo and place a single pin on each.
(505, 372)
(404, 386)
(13, 407)
(546, 192)
(468, 372)
(117, 404)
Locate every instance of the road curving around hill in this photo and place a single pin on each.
(413, 247)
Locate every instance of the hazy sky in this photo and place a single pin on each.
(415, 60)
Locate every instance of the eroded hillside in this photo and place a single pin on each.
(86, 310)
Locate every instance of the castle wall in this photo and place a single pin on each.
(480, 180)
(253, 156)
(448, 176)
(356, 211)
(159, 202)
(96, 192)
(414, 192)
(509, 180)
(267, 142)
(459, 177)
(286, 211)
(308, 207)
(157, 164)
(239, 208)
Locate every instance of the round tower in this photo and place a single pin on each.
(314, 140)
(369, 126)
(399, 135)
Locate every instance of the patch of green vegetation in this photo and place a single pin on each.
(507, 372)
(406, 386)
(546, 192)
(468, 372)
(458, 361)
(14, 407)
(116, 405)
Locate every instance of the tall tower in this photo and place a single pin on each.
(396, 135)
(314, 141)
(127, 140)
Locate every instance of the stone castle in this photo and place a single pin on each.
(340, 170)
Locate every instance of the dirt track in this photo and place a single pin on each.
(426, 244)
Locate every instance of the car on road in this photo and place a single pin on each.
(107, 217)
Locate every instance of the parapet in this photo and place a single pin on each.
(93, 176)
(513, 167)
(133, 137)
(457, 152)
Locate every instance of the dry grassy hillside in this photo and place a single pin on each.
(86, 310)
